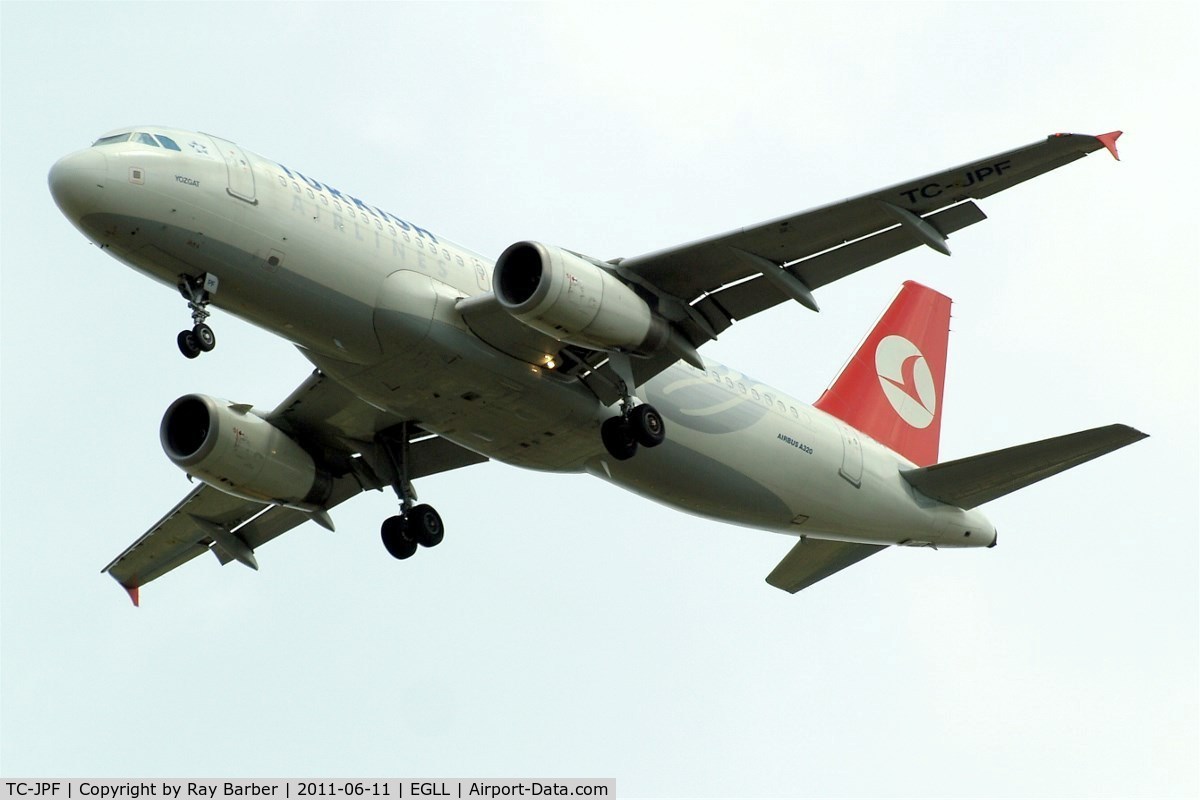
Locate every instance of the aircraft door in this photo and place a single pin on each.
(852, 461)
(241, 174)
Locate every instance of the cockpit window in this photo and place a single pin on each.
(120, 137)
(140, 138)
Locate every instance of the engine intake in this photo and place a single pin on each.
(233, 449)
(565, 296)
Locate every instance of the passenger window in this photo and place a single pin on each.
(168, 142)
(283, 181)
(742, 388)
(145, 138)
(794, 414)
(754, 392)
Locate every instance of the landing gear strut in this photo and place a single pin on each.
(198, 292)
(414, 525)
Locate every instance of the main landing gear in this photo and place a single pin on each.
(637, 425)
(414, 526)
(197, 291)
(419, 525)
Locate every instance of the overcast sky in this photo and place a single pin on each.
(566, 628)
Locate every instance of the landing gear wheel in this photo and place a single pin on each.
(206, 340)
(395, 535)
(619, 437)
(425, 526)
(189, 345)
(647, 426)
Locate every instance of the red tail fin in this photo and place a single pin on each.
(892, 389)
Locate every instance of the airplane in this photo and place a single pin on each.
(429, 357)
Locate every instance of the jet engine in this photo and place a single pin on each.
(574, 300)
(231, 448)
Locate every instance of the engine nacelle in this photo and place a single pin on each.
(575, 301)
(234, 450)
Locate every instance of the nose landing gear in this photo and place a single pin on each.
(198, 292)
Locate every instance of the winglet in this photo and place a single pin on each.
(132, 591)
(1109, 140)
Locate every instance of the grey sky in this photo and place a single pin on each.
(566, 628)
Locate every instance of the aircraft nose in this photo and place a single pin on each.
(77, 181)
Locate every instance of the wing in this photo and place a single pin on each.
(732, 276)
(338, 429)
(703, 287)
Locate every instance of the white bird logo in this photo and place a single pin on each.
(906, 380)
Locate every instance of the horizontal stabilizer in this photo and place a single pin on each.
(812, 560)
(973, 481)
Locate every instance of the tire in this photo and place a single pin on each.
(425, 526)
(188, 345)
(648, 426)
(394, 533)
(206, 340)
(619, 438)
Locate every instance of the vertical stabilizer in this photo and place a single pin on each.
(891, 389)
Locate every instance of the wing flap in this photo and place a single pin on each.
(973, 481)
(278, 520)
(749, 297)
(812, 560)
(433, 454)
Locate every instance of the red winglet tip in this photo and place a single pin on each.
(133, 594)
(1109, 140)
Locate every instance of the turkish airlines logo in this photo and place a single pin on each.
(906, 380)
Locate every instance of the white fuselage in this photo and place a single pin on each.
(370, 299)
